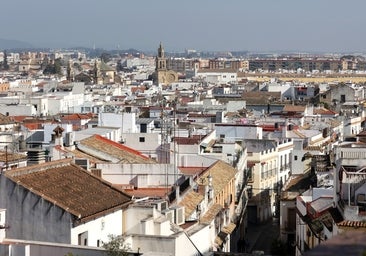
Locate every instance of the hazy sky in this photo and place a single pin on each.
(254, 25)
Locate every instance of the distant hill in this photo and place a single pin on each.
(6, 44)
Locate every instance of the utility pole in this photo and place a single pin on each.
(6, 157)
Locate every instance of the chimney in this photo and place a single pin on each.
(177, 194)
(210, 191)
(58, 136)
(284, 129)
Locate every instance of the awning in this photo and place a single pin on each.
(229, 228)
(225, 231)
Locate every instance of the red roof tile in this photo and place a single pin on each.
(120, 151)
(324, 111)
(192, 170)
(148, 192)
(75, 117)
(70, 187)
(294, 108)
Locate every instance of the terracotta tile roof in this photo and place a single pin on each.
(191, 115)
(19, 118)
(324, 111)
(138, 88)
(187, 141)
(211, 213)
(298, 133)
(294, 108)
(221, 173)
(31, 123)
(10, 157)
(361, 134)
(352, 224)
(297, 182)
(41, 84)
(60, 149)
(225, 231)
(5, 119)
(75, 117)
(148, 192)
(192, 170)
(190, 202)
(259, 97)
(123, 154)
(80, 154)
(313, 148)
(70, 187)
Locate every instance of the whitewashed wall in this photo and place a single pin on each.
(17, 110)
(99, 229)
(239, 131)
(125, 121)
(142, 175)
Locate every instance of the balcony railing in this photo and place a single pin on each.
(268, 173)
(285, 167)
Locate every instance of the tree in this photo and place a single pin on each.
(5, 62)
(58, 65)
(105, 57)
(116, 246)
(54, 68)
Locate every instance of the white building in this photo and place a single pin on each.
(80, 209)
(124, 121)
(217, 77)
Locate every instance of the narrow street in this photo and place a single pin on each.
(261, 236)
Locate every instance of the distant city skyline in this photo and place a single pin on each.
(257, 26)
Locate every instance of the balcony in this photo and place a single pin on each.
(269, 173)
(285, 167)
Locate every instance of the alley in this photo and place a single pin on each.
(260, 236)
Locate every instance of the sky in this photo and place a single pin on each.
(204, 25)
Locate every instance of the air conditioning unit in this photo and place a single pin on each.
(161, 205)
(169, 214)
(179, 217)
(69, 139)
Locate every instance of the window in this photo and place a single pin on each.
(142, 139)
(250, 173)
(343, 98)
(83, 238)
(143, 128)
